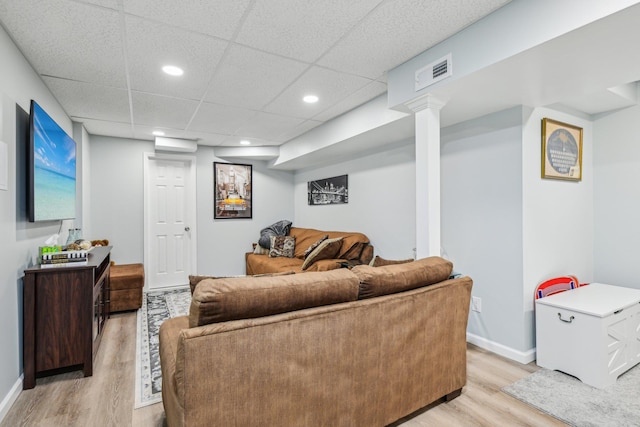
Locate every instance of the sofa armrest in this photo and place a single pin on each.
(169, 337)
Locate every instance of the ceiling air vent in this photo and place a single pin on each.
(434, 72)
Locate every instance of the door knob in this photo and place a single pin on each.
(187, 229)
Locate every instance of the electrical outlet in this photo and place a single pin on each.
(476, 304)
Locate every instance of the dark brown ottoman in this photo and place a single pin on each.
(126, 283)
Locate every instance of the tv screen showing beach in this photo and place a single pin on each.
(53, 167)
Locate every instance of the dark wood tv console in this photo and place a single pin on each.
(65, 310)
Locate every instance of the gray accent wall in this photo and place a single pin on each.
(117, 205)
(617, 198)
(222, 243)
(117, 190)
(482, 219)
(381, 200)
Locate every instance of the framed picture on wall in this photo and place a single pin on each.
(561, 150)
(232, 190)
(328, 191)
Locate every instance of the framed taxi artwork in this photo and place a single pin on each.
(232, 190)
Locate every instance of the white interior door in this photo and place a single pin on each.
(169, 220)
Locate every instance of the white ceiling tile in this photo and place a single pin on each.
(154, 110)
(352, 101)
(216, 18)
(107, 128)
(79, 99)
(205, 138)
(67, 39)
(250, 78)
(111, 4)
(251, 88)
(301, 29)
(401, 29)
(151, 45)
(221, 119)
(267, 126)
(330, 86)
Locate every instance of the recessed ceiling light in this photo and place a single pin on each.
(158, 133)
(245, 142)
(172, 70)
(310, 99)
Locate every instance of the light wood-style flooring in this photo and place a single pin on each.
(107, 398)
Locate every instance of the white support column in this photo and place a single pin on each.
(427, 111)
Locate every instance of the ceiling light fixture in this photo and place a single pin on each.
(245, 142)
(172, 70)
(310, 99)
(158, 133)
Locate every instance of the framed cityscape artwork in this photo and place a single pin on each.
(232, 190)
(561, 150)
(328, 191)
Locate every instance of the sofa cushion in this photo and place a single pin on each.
(305, 237)
(327, 249)
(380, 262)
(282, 246)
(376, 281)
(366, 256)
(280, 228)
(194, 280)
(219, 300)
(260, 264)
(352, 242)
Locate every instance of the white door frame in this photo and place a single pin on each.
(191, 197)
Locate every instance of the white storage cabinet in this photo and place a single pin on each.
(592, 332)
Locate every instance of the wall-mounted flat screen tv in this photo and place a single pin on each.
(52, 169)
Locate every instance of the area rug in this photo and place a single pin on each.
(575, 403)
(157, 306)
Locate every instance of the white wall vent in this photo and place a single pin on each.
(434, 72)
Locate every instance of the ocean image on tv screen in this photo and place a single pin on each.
(54, 169)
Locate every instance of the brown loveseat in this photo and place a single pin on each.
(353, 247)
(360, 347)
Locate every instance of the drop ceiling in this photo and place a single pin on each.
(247, 63)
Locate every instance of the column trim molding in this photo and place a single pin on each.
(422, 102)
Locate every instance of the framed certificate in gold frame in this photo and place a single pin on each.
(561, 150)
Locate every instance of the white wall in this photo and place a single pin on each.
(617, 198)
(381, 200)
(20, 239)
(482, 219)
(117, 206)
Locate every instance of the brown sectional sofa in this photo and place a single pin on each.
(355, 249)
(359, 347)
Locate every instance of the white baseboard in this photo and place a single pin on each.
(502, 350)
(10, 398)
